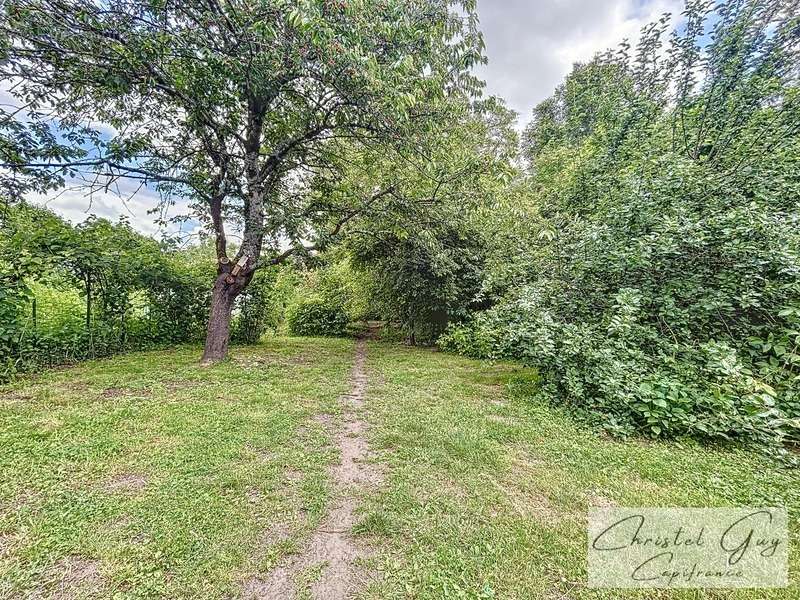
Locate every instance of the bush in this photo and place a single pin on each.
(316, 316)
(257, 308)
(623, 375)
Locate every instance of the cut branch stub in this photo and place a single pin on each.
(240, 264)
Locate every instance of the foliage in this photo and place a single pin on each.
(422, 281)
(233, 105)
(95, 289)
(328, 298)
(341, 279)
(426, 262)
(317, 316)
(650, 262)
(645, 257)
(252, 312)
(261, 308)
(14, 295)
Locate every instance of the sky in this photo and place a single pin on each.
(75, 205)
(531, 46)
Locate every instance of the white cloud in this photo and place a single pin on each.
(76, 205)
(532, 44)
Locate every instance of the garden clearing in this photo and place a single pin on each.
(320, 468)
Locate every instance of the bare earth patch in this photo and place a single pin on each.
(121, 392)
(126, 482)
(279, 532)
(292, 475)
(324, 420)
(329, 563)
(14, 398)
(73, 577)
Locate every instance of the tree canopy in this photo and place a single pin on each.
(233, 104)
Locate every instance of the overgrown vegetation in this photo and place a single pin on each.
(632, 260)
(261, 308)
(640, 245)
(649, 261)
(327, 300)
(237, 107)
(71, 293)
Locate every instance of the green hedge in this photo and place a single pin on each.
(316, 316)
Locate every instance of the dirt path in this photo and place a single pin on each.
(327, 565)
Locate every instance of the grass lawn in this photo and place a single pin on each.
(147, 475)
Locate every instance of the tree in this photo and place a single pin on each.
(427, 260)
(589, 102)
(233, 104)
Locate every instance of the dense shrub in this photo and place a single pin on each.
(624, 375)
(420, 282)
(329, 300)
(650, 263)
(253, 316)
(261, 308)
(317, 316)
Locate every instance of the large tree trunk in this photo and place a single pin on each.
(218, 336)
